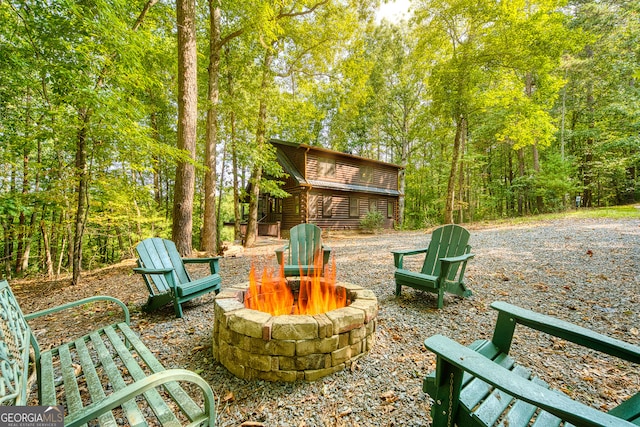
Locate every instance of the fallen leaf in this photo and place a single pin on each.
(229, 397)
(589, 252)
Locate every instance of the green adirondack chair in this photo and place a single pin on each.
(445, 260)
(301, 256)
(484, 385)
(166, 277)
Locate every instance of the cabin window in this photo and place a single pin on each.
(326, 167)
(354, 207)
(373, 205)
(327, 206)
(366, 174)
(390, 206)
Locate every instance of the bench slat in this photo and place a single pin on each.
(132, 412)
(47, 384)
(71, 390)
(93, 380)
(163, 412)
(191, 409)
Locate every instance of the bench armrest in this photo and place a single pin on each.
(510, 315)
(83, 301)
(451, 353)
(214, 266)
(116, 399)
(398, 256)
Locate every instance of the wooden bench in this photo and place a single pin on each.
(108, 376)
(481, 385)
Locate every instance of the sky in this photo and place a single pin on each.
(393, 10)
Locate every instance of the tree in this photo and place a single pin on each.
(187, 124)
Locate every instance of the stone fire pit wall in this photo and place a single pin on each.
(255, 345)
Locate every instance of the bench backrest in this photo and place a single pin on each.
(305, 243)
(447, 241)
(161, 253)
(15, 344)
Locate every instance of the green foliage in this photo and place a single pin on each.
(372, 222)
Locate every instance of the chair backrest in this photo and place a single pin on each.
(447, 241)
(161, 253)
(305, 242)
(15, 343)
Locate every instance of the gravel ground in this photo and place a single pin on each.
(583, 271)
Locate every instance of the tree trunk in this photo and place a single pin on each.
(461, 129)
(461, 203)
(83, 195)
(521, 170)
(187, 121)
(209, 241)
(256, 173)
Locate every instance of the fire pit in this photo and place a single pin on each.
(254, 344)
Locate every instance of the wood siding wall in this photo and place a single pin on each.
(347, 171)
(339, 219)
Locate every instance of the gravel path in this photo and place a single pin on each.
(583, 271)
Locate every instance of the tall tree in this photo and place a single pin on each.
(210, 228)
(187, 125)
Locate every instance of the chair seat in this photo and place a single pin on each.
(415, 279)
(198, 286)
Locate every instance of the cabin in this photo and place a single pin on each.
(328, 188)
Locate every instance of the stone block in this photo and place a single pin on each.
(356, 349)
(340, 356)
(372, 326)
(325, 326)
(301, 363)
(369, 342)
(370, 308)
(290, 327)
(323, 346)
(357, 335)
(345, 319)
(280, 347)
(248, 322)
(260, 362)
(288, 376)
(237, 294)
(315, 374)
(343, 340)
(363, 294)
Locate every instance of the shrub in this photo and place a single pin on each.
(372, 222)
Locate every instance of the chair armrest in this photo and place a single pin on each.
(461, 258)
(398, 256)
(280, 254)
(560, 405)
(83, 301)
(510, 314)
(143, 270)
(137, 388)
(214, 266)
(326, 254)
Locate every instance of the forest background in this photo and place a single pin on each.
(124, 119)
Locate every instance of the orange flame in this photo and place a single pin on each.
(318, 293)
